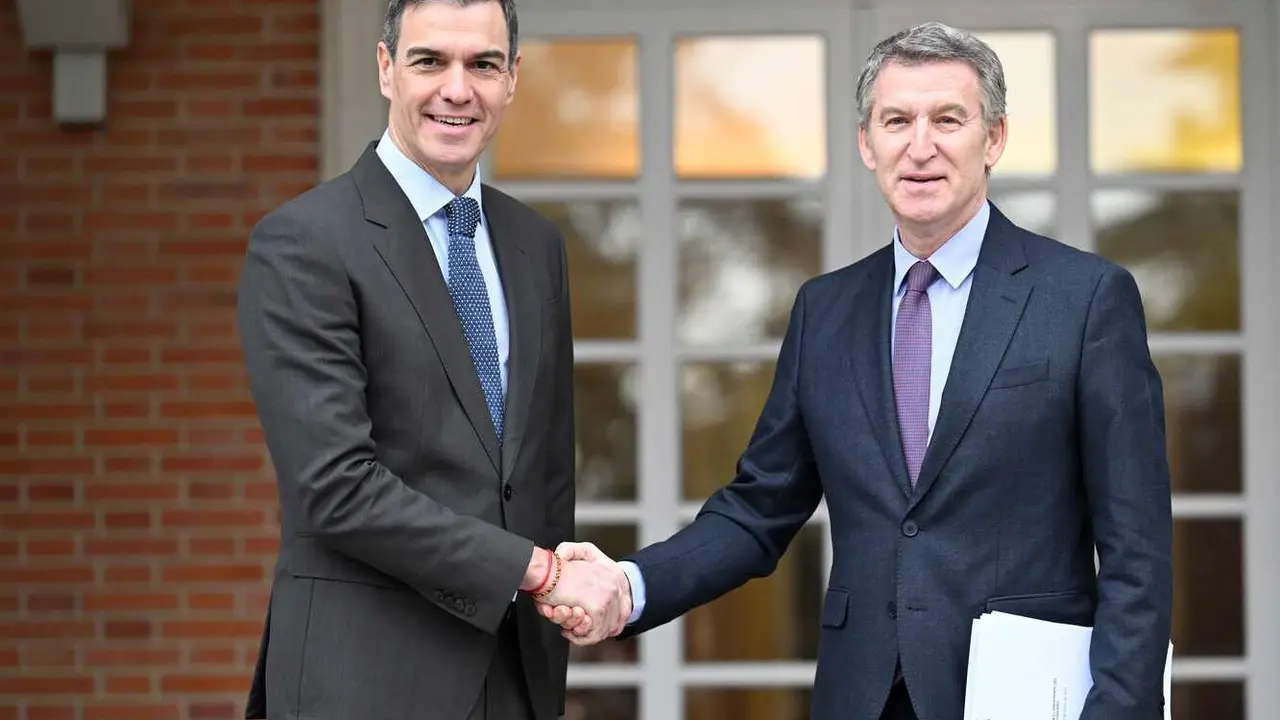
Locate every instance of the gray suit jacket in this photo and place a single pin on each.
(1049, 440)
(405, 527)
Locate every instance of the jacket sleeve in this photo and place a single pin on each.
(1126, 475)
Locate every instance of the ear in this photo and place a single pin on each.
(385, 66)
(997, 138)
(514, 77)
(864, 149)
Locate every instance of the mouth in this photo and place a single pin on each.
(921, 180)
(453, 121)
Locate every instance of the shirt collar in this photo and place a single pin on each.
(427, 195)
(954, 260)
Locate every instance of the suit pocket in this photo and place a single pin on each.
(1020, 375)
(1073, 607)
(834, 608)
(308, 559)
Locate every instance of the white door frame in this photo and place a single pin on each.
(353, 114)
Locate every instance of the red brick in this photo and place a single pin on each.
(36, 685)
(132, 712)
(222, 573)
(203, 684)
(211, 601)
(157, 657)
(124, 602)
(69, 574)
(51, 548)
(128, 684)
(51, 712)
(126, 547)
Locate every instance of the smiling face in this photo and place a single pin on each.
(929, 148)
(448, 86)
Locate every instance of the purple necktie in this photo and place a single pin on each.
(912, 352)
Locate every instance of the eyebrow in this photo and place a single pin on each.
(949, 108)
(421, 51)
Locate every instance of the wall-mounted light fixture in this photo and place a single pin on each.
(80, 32)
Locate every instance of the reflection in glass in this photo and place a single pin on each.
(1216, 700)
(1182, 248)
(601, 704)
(1164, 101)
(741, 704)
(1202, 422)
(728, 126)
(605, 402)
(602, 239)
(720, 403)
(1031, 76)
(741, 263)
(1033, 210)
(734, 627)
(616, 541)
(1208, 599)
(575, 112)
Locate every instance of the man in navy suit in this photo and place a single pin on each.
(979, 408)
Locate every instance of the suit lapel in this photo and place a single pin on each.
(407, 252)
(996, 300)
(524, 310)
(869, 327)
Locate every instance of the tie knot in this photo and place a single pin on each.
(463, 214)
(921, 276)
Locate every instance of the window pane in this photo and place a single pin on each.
(601, 704)
(575, 112)
(1202, 422)
(605, 400)
(1208, 604)
(602, 239)
(1030, 75)
(615, 541)
(1034, 210)
(1164, 101)
(733, 627)
(1217, 700)
(780, 704)
(741, 263)
(1183, 249)
(728, 126)
(720, 403)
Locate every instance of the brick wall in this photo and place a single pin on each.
(137, 509)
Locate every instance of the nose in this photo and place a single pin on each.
(922, 147)
(456, 87)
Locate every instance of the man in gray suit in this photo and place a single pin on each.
(407, 336)
(979, 408)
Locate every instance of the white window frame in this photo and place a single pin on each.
(857, 222)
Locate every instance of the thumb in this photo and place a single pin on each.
(578, 551)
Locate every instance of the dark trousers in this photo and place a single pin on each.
(898, 706)
(504, 696)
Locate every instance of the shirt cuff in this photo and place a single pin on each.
(637, 589)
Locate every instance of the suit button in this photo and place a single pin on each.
(459, 605)
(439, 596)
(910, 528)
(506, 492)
(893, 609)
(470, 609)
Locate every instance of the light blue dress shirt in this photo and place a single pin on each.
(955, 262)
(429, 198)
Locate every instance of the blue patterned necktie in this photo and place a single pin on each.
(471, 300)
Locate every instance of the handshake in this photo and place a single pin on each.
(582, 590)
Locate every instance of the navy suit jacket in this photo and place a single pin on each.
(1049, 441)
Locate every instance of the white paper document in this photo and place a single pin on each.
(1026, 669)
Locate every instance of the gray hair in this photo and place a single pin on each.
(935, 42)
(395, 13)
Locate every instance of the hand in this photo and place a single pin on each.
(593, 600)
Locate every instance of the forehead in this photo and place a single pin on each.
(447, 27)
(925, 84)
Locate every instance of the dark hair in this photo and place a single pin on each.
(395, 13)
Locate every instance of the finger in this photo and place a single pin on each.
(563, 616)
(579, 551)
(546, 611)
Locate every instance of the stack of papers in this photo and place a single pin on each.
(1026, 669)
